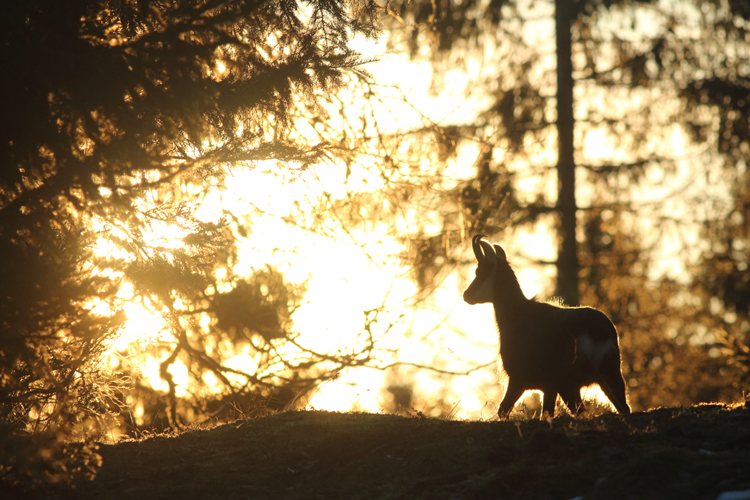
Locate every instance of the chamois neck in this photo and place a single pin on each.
(507, 291)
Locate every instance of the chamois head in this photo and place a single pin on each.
(490, 258)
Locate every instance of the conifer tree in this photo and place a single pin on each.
(109, 109)
(644, 73)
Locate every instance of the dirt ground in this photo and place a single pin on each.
(670, 453)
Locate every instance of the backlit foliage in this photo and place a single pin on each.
(116, 118)
(661, 97)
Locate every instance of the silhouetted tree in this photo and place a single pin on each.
(715, 100)
(112, 113)
(691, 63)
(644, 73)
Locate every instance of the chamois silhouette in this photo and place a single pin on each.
(543, 346)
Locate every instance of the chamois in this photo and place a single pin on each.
(546, 347)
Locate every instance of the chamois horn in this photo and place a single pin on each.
(478, 247)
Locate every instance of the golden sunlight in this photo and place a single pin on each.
(348, 272)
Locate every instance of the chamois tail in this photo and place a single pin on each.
(598, 343)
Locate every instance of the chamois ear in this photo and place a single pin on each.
(500, 253)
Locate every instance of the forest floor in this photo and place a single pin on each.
(670, 453)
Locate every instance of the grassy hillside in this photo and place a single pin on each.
(673, 453)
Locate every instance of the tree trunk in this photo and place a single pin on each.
(567, 257)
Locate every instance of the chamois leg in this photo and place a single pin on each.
(612, 383)
(512, 394)
(549, 398)
(572, 399)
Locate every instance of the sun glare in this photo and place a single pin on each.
(348, 272)
(179, 372)
(141, 327)
(360, 391)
